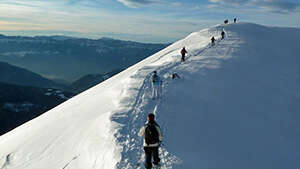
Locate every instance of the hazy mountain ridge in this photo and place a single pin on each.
(19, 76)
(70, 58)
(19, 49)
(25, 95)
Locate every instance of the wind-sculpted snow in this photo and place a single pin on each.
(235, 106)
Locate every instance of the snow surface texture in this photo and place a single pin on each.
(236, 106)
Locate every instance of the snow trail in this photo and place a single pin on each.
(132, 120)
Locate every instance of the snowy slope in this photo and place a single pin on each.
(235, 107)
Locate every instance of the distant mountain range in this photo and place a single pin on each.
(19, 104)
(38, 73)
(25, 95)
(59, 57)
(19, 76)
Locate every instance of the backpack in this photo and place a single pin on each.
(183, 51)
(154, 78)
(151, 134)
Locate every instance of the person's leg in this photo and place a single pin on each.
(156, 158)
(156, 90)
(153, 90)
(160, 89)
(148, 156)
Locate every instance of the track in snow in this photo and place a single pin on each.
(132, 120)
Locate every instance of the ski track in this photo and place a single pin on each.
(132, 121)
(74, 158)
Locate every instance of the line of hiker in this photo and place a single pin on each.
(184, 51)
(227, 21)
(151, 130)
(213, 38)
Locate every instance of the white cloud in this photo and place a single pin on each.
(142, 3)
(138, 3)
(279, 6)
(229, 1)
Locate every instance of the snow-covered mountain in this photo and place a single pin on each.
(236, 106)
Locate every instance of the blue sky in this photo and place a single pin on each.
(138, 20)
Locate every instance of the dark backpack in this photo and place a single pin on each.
(183, 51)
(154, 78)
(151, 134)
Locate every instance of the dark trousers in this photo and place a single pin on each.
(182, 57)
(149, 152)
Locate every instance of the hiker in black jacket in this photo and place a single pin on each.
(152, 139)
(213, 41)
(222, 34)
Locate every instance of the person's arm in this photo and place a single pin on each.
(142, 131)
(160, 136)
